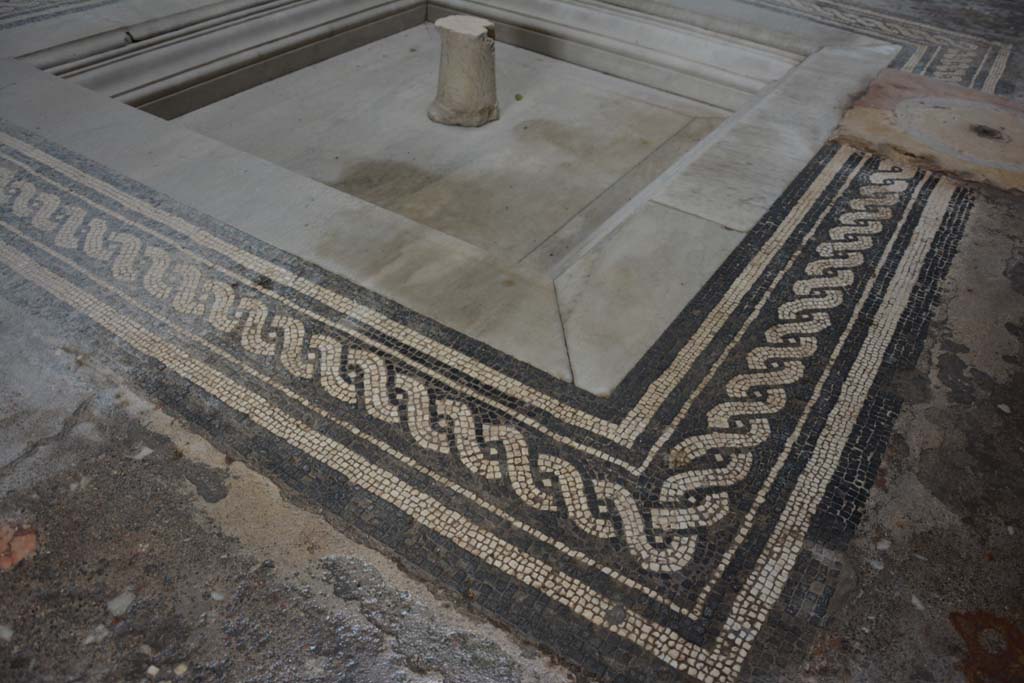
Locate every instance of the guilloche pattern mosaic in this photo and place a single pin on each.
(644, 536)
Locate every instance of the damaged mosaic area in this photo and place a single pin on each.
(639, 536)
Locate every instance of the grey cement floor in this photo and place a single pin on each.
(566, 135)
(213, 573)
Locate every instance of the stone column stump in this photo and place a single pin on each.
(466, 87)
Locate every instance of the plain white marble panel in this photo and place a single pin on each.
(739, 176)
(731, 185)
(622, 295)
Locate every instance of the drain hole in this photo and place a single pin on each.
(986, 132)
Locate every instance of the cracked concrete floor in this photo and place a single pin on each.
(160, 558)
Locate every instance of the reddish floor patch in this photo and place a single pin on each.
(17, 543)
(995, 647)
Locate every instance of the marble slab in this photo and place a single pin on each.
(357, 122)
(624, 293)
(739, 176)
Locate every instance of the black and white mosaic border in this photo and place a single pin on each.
(416, 436)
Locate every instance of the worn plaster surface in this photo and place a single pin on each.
(193, 499)
(972, 135)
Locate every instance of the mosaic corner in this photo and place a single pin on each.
(405, 455)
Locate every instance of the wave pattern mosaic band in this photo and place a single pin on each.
(654, 531)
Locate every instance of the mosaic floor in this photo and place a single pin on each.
(662, 533)
(641, 536)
